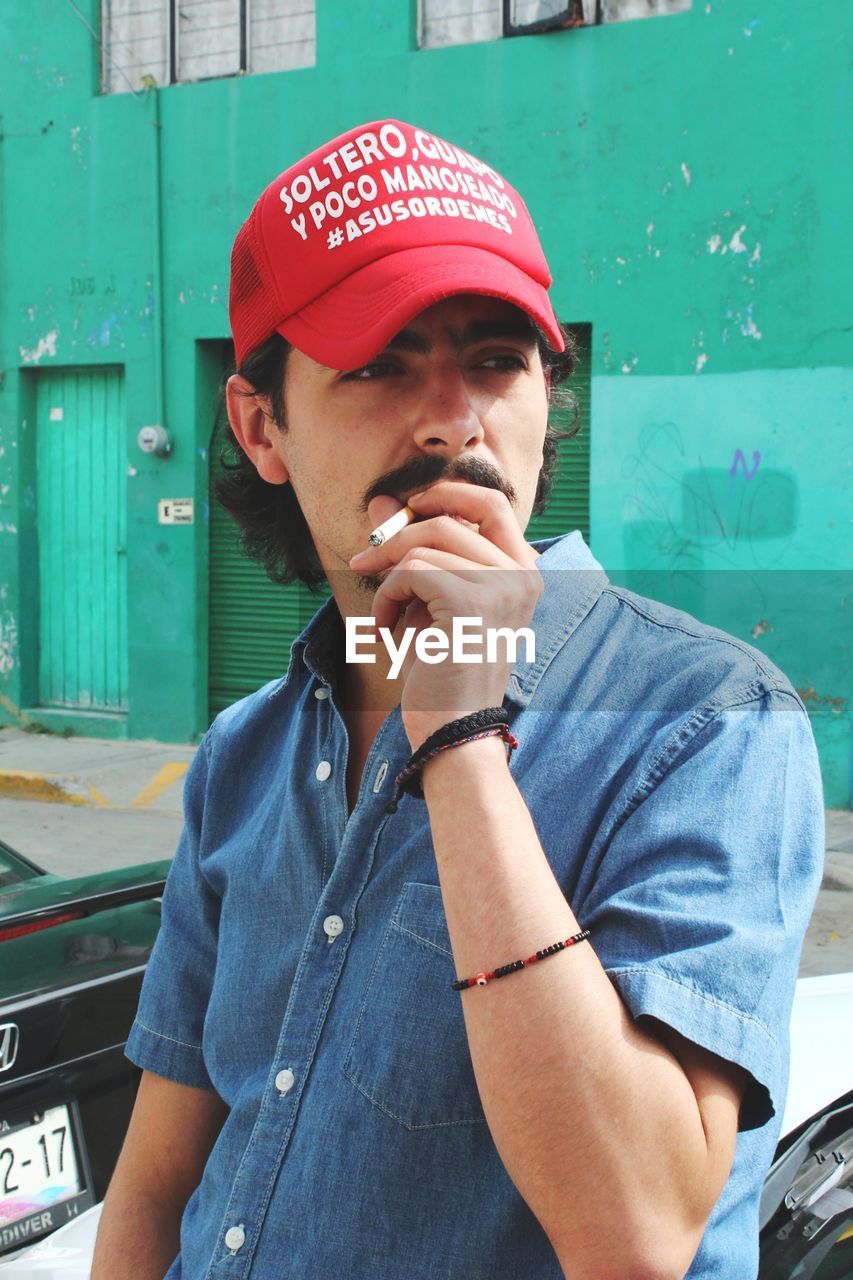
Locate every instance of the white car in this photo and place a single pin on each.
(806, 1215)
(66, 1254)
(806, 1212)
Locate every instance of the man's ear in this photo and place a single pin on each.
(255, 429)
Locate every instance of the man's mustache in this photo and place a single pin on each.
(420, 472)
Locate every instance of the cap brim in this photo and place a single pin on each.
(352, 322)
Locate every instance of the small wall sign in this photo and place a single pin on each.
(175, 511)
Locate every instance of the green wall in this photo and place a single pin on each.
(690, 179)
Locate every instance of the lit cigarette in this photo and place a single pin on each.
(391, 526)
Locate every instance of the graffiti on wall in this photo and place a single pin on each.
(739, 458)
(706, 516)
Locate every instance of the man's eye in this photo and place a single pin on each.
(376, 369)
(505, 363)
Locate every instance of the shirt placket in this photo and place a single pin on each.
(318, 972)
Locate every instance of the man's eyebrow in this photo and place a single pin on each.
(409, 340)
(520, 330)
(516, 330)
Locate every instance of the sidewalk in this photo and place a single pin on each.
(78, 806)
(105, 773)
(839, 849)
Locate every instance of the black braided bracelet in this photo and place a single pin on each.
(479, 724)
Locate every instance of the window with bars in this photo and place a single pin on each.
(169, 41)
(446, 22)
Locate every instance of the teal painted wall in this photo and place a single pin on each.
(688, 175)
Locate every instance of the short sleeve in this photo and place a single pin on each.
(166, 1036)
(707, 884)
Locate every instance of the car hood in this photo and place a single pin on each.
(821, 1046)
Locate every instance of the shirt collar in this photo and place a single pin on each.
(318, 645)
(574, 580)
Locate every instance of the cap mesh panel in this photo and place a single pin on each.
(253, 309)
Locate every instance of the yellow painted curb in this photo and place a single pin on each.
(98, 798)
(21, 784)
(161, 782)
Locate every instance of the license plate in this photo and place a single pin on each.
(41, 1181)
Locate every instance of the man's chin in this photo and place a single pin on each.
(370, 583)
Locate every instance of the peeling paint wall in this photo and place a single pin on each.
(688, 176)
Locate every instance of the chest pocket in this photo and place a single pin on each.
(409, 1052)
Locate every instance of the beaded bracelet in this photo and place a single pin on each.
(481, 979)
(479, 724)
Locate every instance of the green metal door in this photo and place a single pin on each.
(252, 621)
(82, 536)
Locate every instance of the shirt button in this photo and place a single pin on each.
(285, 1080)
(235, 1238)
(332, 926)
(321, 692)
(322, 771)
(380, 776)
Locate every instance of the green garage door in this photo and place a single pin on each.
(253, 622)
(568, 507)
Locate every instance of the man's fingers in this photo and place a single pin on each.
(442, 532)
(416, 580)
(489, 509)
(449, 585)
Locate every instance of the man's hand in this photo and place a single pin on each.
(464, 557)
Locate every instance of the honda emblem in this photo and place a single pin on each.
(9, 1036)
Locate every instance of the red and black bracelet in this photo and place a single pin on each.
(481, 979)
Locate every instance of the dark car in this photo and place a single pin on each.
(72, 956)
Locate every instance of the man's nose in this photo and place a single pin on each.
(447, 415)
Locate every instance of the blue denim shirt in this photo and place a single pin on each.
(303, 969)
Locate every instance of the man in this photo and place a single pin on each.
(317, 1099)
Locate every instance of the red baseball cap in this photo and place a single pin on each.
(348, 244)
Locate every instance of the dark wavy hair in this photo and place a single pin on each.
(273, 529)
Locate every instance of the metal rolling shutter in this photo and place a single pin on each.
(568, 507)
